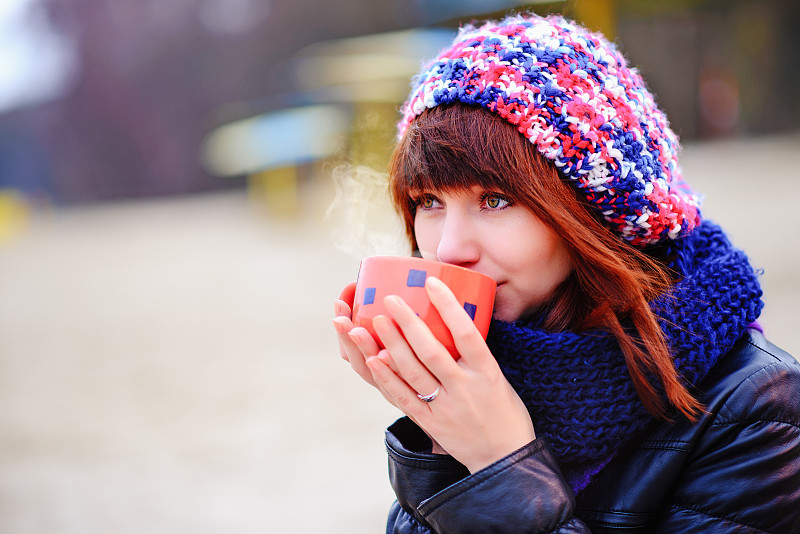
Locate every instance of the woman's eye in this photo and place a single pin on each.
(428, 202)
(495, 202)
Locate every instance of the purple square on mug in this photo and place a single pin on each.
(471, 309)
(369, 296)
(416, 278)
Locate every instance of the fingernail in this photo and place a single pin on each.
(373, 363)
(379, 322)
(435, 284)
(392, 300)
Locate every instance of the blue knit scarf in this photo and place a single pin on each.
(576, 386)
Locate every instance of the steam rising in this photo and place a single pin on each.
(362, 217)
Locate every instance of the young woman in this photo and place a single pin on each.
(624, 385)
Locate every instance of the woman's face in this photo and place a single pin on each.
(487, 232)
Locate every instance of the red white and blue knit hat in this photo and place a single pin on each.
(571, 93)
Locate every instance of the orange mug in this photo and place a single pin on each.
(379, 276)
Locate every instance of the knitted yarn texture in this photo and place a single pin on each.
(576, 386)
(571, 93)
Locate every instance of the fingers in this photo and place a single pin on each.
(355, 343)
(468, 340)
(396, 390)
(351, 352)
(401, 359)
(341, 308)
(416, 347)
(354, 336)
(342, 324)
(362, 339)
(357, 346)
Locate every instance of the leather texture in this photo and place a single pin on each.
(737, 469)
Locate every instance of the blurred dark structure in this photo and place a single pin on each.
(155, 78)
(719, 68)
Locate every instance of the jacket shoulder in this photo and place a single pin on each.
(755, 381)
(736, 467)
(744, 463)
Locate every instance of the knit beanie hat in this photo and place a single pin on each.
(571, 93)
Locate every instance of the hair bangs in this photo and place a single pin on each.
(455, 148)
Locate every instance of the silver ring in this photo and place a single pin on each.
(428, 398)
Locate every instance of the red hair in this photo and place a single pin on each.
(456, 147)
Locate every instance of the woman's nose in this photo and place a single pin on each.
(458, 244)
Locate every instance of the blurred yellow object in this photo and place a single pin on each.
(372, 135)
(13, 214)
(276, 188)
(598, 15)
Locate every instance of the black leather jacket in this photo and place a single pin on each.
(736, 470)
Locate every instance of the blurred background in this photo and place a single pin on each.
(168, 259)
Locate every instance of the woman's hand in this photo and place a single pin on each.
(355, 343)
(477, 417)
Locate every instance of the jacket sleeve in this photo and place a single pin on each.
(523, 492)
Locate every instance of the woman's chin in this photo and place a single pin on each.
(512, 311)
(505, 315)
